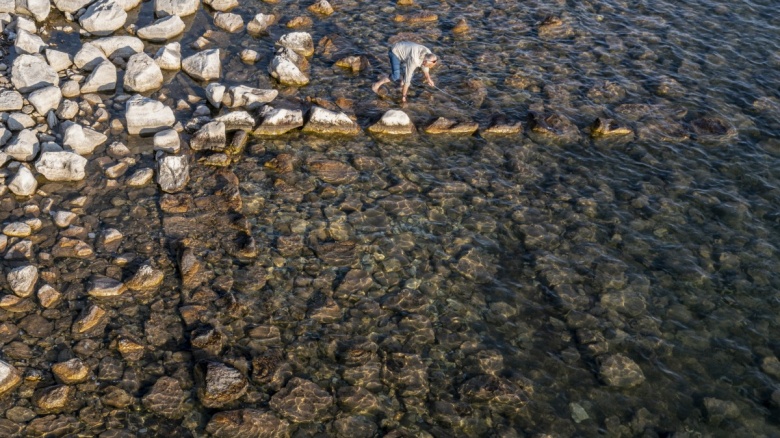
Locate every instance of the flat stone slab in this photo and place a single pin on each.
(61, 166)
(162, 29)
(147, 116)
(323, 121)
(277, 121)
(393, 122)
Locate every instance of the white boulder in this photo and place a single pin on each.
(173, 173)
(58, 60)
(24, 147)
(28, 43)
(23, 183)
(89, 57)
(61, 166)
(22, 280)
(29, 73)
(80, 139)
(300, 42)
(204, 65)
(169, 57)
(251, 98)
(147, 116)
(162, 29)
(277, 121)
(103, 17)
(182, 8)
(142, 74)
(45, 99)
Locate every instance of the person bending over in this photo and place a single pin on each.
(412, 56)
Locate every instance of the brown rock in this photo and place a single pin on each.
(166, 398)
(461, 27)
(130, 349)
(102, 287)
(91, 317)
(147, 278)
(354, 63)
(247, 423)
(333, 172)
(620, 371)
(218, 384)
(300, 22)
(54, 398)
(302, 401)
(9, 377)
(452, 127)
(117, 398)
(190, 268)
(609, 128)
(321, 7)
(73, 248)
(70, 372)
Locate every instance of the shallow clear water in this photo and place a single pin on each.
(503, 273)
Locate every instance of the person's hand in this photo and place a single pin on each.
(403, 99)
(430, 82)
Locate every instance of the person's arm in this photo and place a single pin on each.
(404, 90)
(428, 79)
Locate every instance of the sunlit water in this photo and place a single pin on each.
(501, 276)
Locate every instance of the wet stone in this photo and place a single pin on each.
(554, 28)
(22, 280)
(277, 121)
(90, 318)
(333, 172)
(211, 137)
(302, 401)
(162, 29)
(173, 173)
(52, 425)
(166, 398)
(260, 23)
(54, 398)
(299, 42)
(451, 127)
(357, 426)
(36, 326)
(103, 287)
(609, 128)
(117, 398)
(19, 414)
(48, 296)
(130, 349)
(218, 384)
(204, 65)
(9, 377)
(394, 122)
(719, 410)
(17, 229)
(620, 371)
(552, 129)
(182, 8)
(321, 7)
(74, 248)
(70, 372)
(247, 422)
(146, 278)
(500, 393)
(229, 22)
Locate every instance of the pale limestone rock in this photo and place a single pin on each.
(214, 93)
(61, 166)
(323, 121)
(227, 21)
(299, 42)
(45, 99)
(162, 29)
(142, 74)
(182, 8)
(277, 121)
(102, 79)
(29, 73)
(393, 122)
(38, 9)
(251, 98)
(64, 218)
(71, 6)
(260, 23)
(167, 141)
(147, 116)
(140, 177)
(89, 57)
(23, 183)
(221, 5)
(10, 377)
(103, 17)
(58, 60)
(204, 65)
(24, 147)
(210, 137)
(28, 43)
(169, 57)
(81, 140)
(122, 46)
(10, 100)
(173, 173)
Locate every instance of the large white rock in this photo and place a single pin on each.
(142, 74)
(251, 98)
(23, 183)
(38, 9)
(214, 93)
(102, 79)
(79, 139)
(167, 141)
(10, 100)
(299, 42)
(24, 147)
(29, 73)
(221, 5)
(323, 121)
(162, 29)
(71, 6)
(45, 99)
(210, 137)
(119, 46)
(129, 4)
(228, 21)
(182, 8)
(173, 173)
(89, 57)
(27, 43)
(19, 121)
(147, 116)
(169, 57)
(286, 71)
(260, 23)
(61, 166)
(103, 17)
(10, 377)
(393, 122)
(58, 60)
(277, 121)
(5, 135)
(204, 65)
(22, 280)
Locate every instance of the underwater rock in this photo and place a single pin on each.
(620, 371)
(166, 398)
(451, 127)
(302, 401)
(218, 384)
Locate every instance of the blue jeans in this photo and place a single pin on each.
(395, 65)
